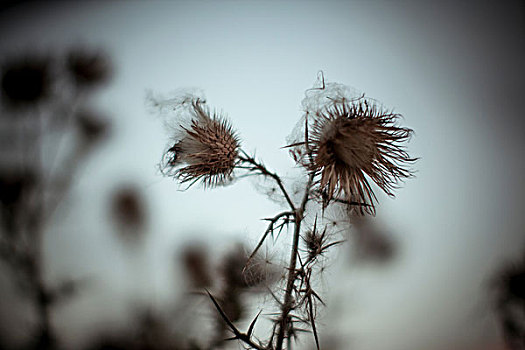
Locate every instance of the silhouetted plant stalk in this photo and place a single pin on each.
(343, 141)
(298, 214)
(35, 177)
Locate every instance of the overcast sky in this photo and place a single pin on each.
(454, 70)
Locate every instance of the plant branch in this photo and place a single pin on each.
(256, 166)
(287, 304)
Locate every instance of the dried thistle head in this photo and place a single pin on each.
(348, 140)
(206, 150)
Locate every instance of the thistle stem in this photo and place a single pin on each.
(298, 213)
(287, 305)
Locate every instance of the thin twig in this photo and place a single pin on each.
(264, 171)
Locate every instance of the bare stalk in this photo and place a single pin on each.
(298, 214)
(287, 304)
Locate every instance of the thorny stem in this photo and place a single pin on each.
(298, 213)
(287, 304)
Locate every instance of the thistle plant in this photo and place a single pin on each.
(345, 142)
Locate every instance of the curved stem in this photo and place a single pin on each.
(256, 166)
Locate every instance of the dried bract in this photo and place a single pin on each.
(347, 140)
(207, 150)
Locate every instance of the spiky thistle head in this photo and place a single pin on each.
(206, 150)
(349, 140)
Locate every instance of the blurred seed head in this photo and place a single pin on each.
(196, 265)
(205, 151)
(128, 210)
(88, 67)
(91, 126)
(25, 81)
(371, 243)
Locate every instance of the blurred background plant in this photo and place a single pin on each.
(48, 129)
(508, 287)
